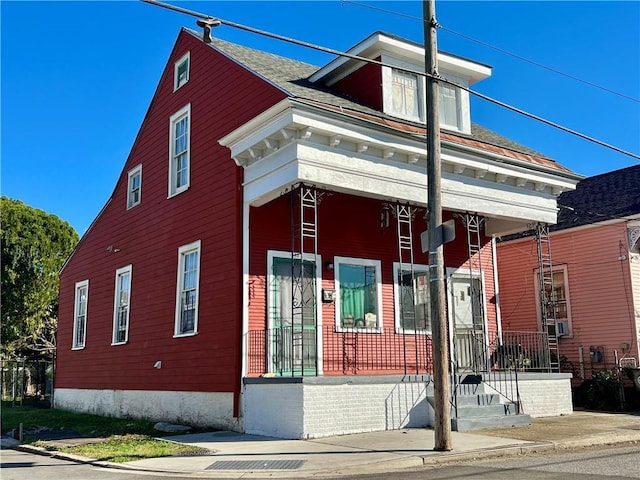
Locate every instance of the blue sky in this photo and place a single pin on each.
(78, 77)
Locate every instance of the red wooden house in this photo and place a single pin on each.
(258, 266)
(594, 294)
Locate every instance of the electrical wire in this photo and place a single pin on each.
(415, 72)
(497, 49)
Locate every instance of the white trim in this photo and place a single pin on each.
(378, 43)
(464, 273)
(182, 252)
(116, 295)
(184, 112)
(246, 226)
(396, 298)
(496, 286)
(317, 261)
(137, 170)
(365, 263)
(78, 286)
(565, 278)
(176, 82)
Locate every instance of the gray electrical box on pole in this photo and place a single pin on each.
(441, 405)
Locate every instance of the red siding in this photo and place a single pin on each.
(599, 288)
(349, 226)
(365, 84)
(223, 96)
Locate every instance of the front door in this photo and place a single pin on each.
(294, 322)
(466, 315)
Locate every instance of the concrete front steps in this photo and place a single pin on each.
(479, 406)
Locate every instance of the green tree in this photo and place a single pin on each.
(35, 245)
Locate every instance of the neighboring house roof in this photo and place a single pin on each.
(291, 76)
(599, 198)
(608, 196)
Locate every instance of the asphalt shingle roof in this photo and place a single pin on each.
(292, 76)
(602, 197)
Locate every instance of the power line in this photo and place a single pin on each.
(498, 49)
(377, 62)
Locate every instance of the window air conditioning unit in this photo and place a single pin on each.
(562, 329)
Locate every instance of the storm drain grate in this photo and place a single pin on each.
(256, 465)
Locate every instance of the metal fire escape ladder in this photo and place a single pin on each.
(547, 305)
(304, 246)
(404, 215)
(473, 223)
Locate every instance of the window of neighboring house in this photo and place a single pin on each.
(187, 289)
(179, 151)
(359, 300)
(80, 315)
(558, 300)
(121, 307)
(181, 71)
(448, 106)
(405, 94)
(134, 191)
(411, 294)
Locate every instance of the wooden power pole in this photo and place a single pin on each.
(441, 403)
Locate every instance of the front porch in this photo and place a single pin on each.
(314, 407)
(367, 380)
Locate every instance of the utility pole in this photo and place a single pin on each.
(441, 403)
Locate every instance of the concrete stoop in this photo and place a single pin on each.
(478, 406)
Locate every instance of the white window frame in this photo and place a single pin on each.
(271, 279)
(128, 270)
(186, 58)
(418, 93)
(75, 344)
(176, 118)
(456, 98)
(182, 253)
(134, 172)
(417, 268)
(565, 275)
(364, 263)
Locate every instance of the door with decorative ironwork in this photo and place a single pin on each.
(467, 323)
(294, 322)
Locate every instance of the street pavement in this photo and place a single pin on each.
(235, 455)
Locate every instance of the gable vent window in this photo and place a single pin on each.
(181, 71)
(134, 192)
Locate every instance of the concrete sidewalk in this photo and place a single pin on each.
(235, 455)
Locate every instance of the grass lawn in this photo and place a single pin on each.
(122, 440)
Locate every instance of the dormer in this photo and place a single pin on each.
(395, 89)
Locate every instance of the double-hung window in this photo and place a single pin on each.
(179, 150)
(181, 71)
(134, 190)
(411, 293)
(359, 299)
(121, 307)
(448, 106)
(80, 315)
(558, 305)
(187, 289)
(405, 95)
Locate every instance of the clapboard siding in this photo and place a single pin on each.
(600, 286)
(148, 237)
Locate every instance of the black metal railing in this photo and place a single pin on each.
(350, 351)
(370, 351)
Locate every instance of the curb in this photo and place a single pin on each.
(382, 467)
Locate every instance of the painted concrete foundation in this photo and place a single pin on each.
(189, 408)
(314, 407)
